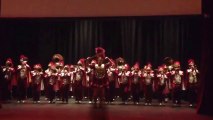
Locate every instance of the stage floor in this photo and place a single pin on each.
(85, 111)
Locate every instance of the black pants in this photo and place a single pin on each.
(192, 94)
(110, 92)
(124, 91)
(51, 92)
(177, 94)
(6, 92)
(99, 92)
(78, 91)
(65, 92)
(22, 90)
(161, 95)
(36, 92)
(148, 93)
(136, 92)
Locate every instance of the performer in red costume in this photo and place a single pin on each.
(124, 82)
(37, 82)
(79, 78)
(65, 83)
(100, 81)
(135, 83)
(162, 80)
(192, 79)
(51, 76)
(9, 79)
(23, 78)
(89, 79)
(58, 61)
(112, 76)
(120, 66)
(148, 76)
(177, 83)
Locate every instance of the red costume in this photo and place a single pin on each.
(177, 83)
(100, 79)
(148, 82)
(23, 78)
(65, 83)
(162, 80)
(51, 76)
(9, 79)
(112, 77)
(37, 82)
(192, 78)
(124, 82)
(79, 78)
(136, 83)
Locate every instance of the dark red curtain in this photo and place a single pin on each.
(205, 105)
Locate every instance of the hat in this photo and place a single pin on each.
(176, 64)
(136, 66)
(100, 52)
(23, 58)
(9, 60)
(160, 68)
(72, 66)
(81, 61)
(93, 62)
(37, 66)
(190, 62)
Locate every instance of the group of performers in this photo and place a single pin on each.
(99, 79)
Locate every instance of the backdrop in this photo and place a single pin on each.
(142, 39)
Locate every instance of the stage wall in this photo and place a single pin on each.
(98, 8)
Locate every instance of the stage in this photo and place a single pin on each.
(86, 111)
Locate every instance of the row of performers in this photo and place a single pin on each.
(101, 77)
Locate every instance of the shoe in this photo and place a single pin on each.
(23, 101)
(146, 104)
(160, 104)
(90, 102)
(18, 101)
(190, 105)
(150, 104)
(136, 103)
(38, 101)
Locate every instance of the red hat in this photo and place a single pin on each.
(37, 66)
(149, 65)
(23, 58)
(99, 50)
(176, 64)
(136, 66)
(81, 61)
(72, 67)
(160, 68)
(93, 62)
(190, 62)
(9, 60)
